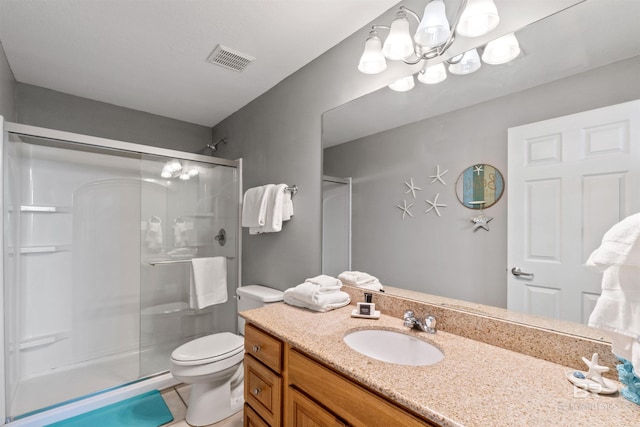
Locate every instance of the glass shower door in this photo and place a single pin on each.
(189, 210)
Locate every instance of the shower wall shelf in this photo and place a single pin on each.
(45, 249)
(45, 209)
(178, 261)
(43, 340)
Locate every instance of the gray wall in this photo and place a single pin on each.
(279, 137)
(47, 108)
(7, 89)
(442, 255)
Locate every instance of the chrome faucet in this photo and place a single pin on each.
(429, 324)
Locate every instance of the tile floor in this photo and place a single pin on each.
(176, 399)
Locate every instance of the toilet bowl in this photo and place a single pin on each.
(213, 365)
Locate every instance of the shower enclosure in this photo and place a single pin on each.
(98, 239)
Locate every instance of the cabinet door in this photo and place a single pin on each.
(304, 412)
(263, 390)
(251, 419)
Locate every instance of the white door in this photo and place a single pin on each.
(569, 180)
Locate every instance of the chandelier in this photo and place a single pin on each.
(432, 38)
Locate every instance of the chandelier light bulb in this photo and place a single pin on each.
(403, 85)
(469, 63)
(398, 44)
(501, 50)
(434, 29)
(478, 18)
(433, 74)
(372, 60)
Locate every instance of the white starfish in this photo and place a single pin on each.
(595, 370)
(412, 188)
(438, 176)
(477, 169)
(405, 209)
(435, 205)
(481, 221)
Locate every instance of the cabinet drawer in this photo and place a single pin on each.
(251, 419)
(349, 401)
(263, 347)
(263, 390)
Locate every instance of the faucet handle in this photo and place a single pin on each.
(430, 324)
(408, 314)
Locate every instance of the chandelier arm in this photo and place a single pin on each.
(440, 50)
(410, 12)
(381, 27)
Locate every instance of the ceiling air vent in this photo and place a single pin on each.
(229, 58)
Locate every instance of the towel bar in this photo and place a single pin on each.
(293, 190)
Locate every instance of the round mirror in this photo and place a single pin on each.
(479, 186)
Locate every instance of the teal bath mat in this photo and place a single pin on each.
(145, 410)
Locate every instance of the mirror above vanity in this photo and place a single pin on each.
(583, 58)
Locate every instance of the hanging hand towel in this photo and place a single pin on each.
(208, 282)
(153, 237)
(274, 196)
(287, 205)
(254, 206)
(179, 233)
(620, 245)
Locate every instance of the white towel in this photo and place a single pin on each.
(254, 206)
(620, 245)
(179, 234)
(154, 234)
(360, 280)
(617, 309)
(287, 206)
(208, 282)
(277, 210)
(325, 303)
(274, 196)
(326, 283)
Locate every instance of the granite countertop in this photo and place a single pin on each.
(476, 384)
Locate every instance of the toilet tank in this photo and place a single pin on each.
(255, 296)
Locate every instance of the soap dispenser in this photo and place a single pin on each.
(366, 309)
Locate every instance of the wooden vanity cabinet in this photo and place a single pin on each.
(286, 387)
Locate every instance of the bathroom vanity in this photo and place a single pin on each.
(315, 393)
(300, 372)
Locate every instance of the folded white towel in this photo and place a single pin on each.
(360, 280)
(254, 206)
(325, 303)
(620, 245)
(326, 283)
(208, 282)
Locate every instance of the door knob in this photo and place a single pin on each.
(517, 272)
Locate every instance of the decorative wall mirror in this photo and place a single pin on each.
(480, 186)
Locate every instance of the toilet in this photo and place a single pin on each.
(213, 364)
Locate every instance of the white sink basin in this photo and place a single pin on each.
(393, 347)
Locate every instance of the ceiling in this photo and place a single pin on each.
(150, 55)
(588, 35)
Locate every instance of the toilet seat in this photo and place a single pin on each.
(208, 349)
